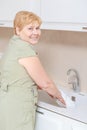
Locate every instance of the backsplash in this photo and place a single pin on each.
(59, 51)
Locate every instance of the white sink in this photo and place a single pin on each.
(79, 112)
(79, 99)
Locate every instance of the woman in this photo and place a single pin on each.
(22, 74)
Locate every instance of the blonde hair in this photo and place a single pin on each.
(24, 18)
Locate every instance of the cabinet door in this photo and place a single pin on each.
(46, 120)
(78, 125)
(44, 123)
(8, 8)
(68, 11)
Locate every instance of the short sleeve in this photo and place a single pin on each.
(25, 51)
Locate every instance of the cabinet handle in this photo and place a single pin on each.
(39, 112)
(85, 28)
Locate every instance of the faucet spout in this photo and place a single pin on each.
(73, 78)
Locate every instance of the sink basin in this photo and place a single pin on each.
(44, 97)
(78, 98)
(78, 112)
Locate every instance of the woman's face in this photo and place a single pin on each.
(30, 33)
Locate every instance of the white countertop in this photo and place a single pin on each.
(78, 113)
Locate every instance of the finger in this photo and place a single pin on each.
(62, 100)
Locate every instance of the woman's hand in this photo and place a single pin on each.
(59, 97)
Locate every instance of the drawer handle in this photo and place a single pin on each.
(85, 28)
(39, 112)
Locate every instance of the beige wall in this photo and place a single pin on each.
(59, 51)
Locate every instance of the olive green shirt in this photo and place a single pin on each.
(12, 73)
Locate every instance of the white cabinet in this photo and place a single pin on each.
(75, 125)
(48, 120)
(64, 13)
(71, 11)
(9, 8)
(56, 14)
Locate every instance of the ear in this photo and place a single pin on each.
(17, 31)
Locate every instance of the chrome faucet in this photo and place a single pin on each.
(73, 78)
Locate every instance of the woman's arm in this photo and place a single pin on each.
(39, 75)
